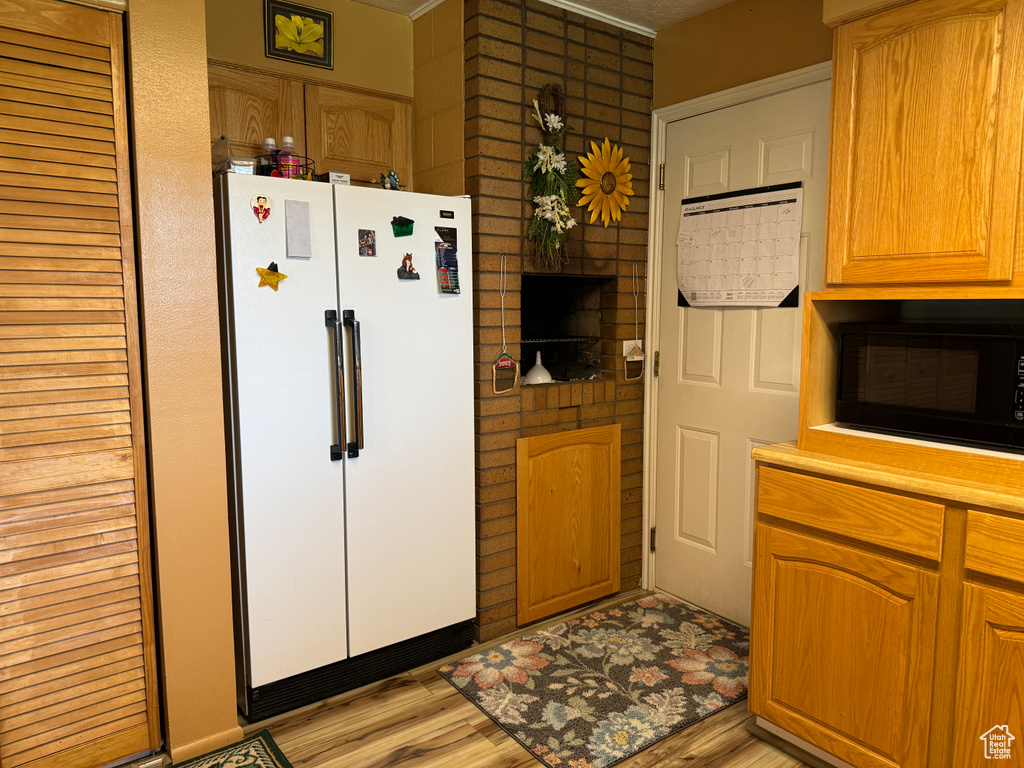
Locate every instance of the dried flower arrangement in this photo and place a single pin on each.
(552, 181)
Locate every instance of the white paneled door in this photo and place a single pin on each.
(729, 377)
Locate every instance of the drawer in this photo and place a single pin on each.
(896, 522)
(995, 545)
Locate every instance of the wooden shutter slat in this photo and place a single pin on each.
(61, 318)
(77, 344)
(48, 43)
(57, 87)
(74, 650)
(53, 224)
(45, 519)
(56, 181)
(56, 100)
(61, 531)
(109, 503)
(17, 122)
(120, 665)
(63, 448)
(54, 237)
(36, 632)
(61, 547)
(16, 610)
(72, 304)
(66, 259)
(46, 168)
(57, 155)
(56, 397)
(17, 372)
(77, 355)
(62, 438)
(95, 728)
(49, 141)
(66, 471)
(82, 699)
(72, 117)
(30, 208)
(55, 578)
(69, 382)
(22, 740)
(130, 617)
(57, 423)
(44, 72)
(58, 196)
(70, 62)
(39, 290)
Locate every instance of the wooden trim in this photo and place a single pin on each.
(306, 79)
(75, 23)
(836, 12)
(135, 378)
(115, 6)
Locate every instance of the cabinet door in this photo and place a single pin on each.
(360, 134)
(926, 144)
(248, 106)
(842, 648)
(77, 668)
(990, 680)
(567, 526)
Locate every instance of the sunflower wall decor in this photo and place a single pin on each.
(298, 33)
(552, 183)
(607, 183)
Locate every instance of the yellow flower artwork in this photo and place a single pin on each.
(300, 34)
(606, 183)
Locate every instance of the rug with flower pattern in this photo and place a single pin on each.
(594, 690)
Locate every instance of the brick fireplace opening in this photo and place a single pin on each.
(561, 319)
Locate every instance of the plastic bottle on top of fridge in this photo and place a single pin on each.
(287, 160)
(269, 151)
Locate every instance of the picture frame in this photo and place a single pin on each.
(309, 41)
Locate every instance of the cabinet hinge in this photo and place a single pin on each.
(654, 536)
(657, 363)
(661, 177)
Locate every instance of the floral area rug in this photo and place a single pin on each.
(259, 751)
(594, 690)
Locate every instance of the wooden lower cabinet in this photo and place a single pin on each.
(990, 682)
(567, 519)
(843, 641)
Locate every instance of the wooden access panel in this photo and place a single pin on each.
(247, 106)
(568, 511)
(77, 676)
(361, 134)
(925, 146)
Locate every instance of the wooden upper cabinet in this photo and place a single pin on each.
(247, 107)
(362, 134)
(926, 144)
(568, 512)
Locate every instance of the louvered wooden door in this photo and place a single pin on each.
(77, 682)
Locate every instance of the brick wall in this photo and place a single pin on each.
(513, 48)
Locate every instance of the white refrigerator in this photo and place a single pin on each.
(349, 411)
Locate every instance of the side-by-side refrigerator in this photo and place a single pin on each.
(347, 318)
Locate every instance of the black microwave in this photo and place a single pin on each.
(961, 383)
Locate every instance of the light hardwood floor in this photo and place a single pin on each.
(418, 720)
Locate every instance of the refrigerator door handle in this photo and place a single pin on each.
(357, 377)
(331, 321)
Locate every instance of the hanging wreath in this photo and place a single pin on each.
(552, 181)
(607, 182)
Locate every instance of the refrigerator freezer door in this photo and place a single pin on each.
(410, 491)
(288, 493)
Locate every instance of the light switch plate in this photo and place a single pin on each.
(627, 347)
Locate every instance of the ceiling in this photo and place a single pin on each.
(645, 16)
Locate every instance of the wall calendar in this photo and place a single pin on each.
(741, 249)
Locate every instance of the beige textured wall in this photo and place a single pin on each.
(372, 47)
(739, 43)
(438, 106)
(181, 360)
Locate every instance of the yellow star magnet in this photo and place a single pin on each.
(270, 276)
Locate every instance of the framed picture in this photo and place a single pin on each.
(298, 33)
